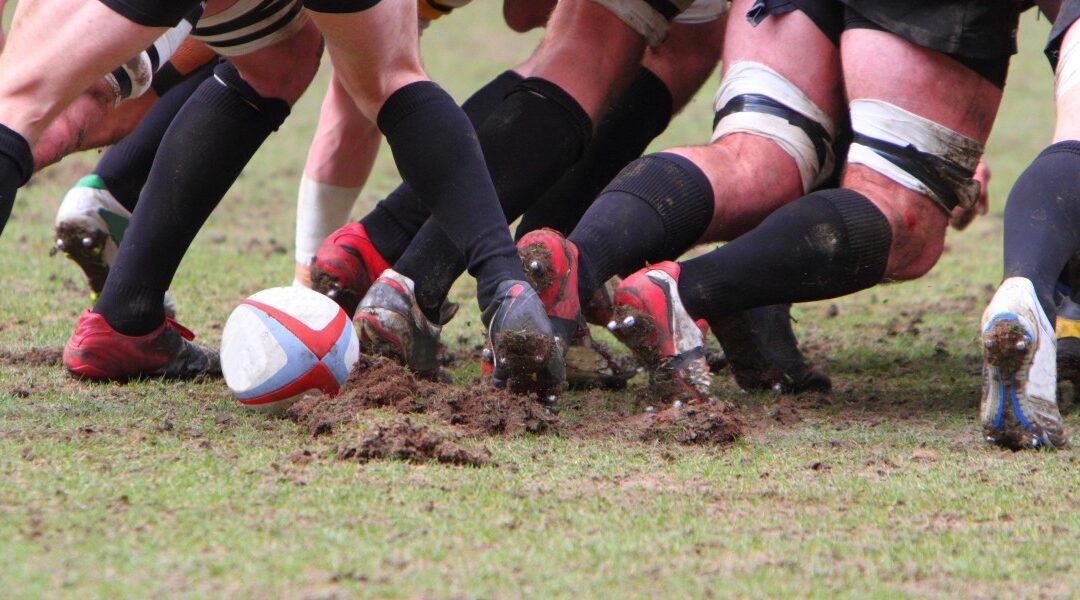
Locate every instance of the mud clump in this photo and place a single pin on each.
(530, 353)
(543, 274)
(373, 383)
(405, 440)
(483, 410)
(694, 424)
(377, 382)
(33, 356)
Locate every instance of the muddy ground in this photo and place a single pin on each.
(479, 410)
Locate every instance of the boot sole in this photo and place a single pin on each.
(89, 257)
(1004, 422)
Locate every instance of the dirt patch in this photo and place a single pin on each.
(376, 382)
(405, 440)
(698, 424)
(33, 356)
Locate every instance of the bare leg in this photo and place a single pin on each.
(40, 76)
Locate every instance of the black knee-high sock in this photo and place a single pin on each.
(16, 166)
(641, 113)
(212, 138)
(823, 245)
(125, 166)
(657, 208)
(529, 141)
(438, 156)
(1042, 220)
(394, 221)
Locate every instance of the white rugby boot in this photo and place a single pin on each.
(89, 226)
(1019, 404)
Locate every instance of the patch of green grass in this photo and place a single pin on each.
(881, 489)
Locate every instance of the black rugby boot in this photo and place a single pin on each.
(763, 353)
(523, 352)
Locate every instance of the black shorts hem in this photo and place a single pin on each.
(152, 13)
(339, 6)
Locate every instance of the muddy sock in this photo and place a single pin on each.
(210, 141)
(394, 221)
(1042, 220)
(641, 113)
(657, 208)
(534, 135)
(823, 245)
(437, 154)
(125, 165)
(16, 166)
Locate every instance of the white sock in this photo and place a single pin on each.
(320, 210)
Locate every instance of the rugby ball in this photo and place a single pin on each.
(282, 343)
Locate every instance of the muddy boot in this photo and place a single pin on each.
(346, 265)
(89, 226)
(390, 323)
(1019, 403)
(97, 351)
(525, 355)
(761, 349)
(651, 320)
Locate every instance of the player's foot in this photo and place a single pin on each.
(1019, 404)
(761, 349)
(525, 355)
(97, 351)
(1067, 329)
(550, 262)
(346, 265)
(390, 323)
(651, 320)
(89, 226)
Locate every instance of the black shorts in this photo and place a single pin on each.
(980, 34)
(1067, 15)
(166, 13)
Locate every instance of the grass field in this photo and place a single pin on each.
(881, 489)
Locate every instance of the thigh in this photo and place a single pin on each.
(883, 66)
(374, 51)
(1067, 84)
(588, 51)
(794, 46)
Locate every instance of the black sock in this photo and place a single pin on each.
(394, 221)
(641, 113)
(16, 167)
(1042, 220)
(125, 166)
(438, 156)
(529, 141)
(657, 208)
(212, 138)
(826, 244)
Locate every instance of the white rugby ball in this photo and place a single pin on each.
(282, 343)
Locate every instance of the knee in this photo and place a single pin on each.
(918, 223)
(284, 70)
(751, 177)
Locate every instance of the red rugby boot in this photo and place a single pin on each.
(97, 351)
(551, 264)
(651, 320)
(346, 265)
